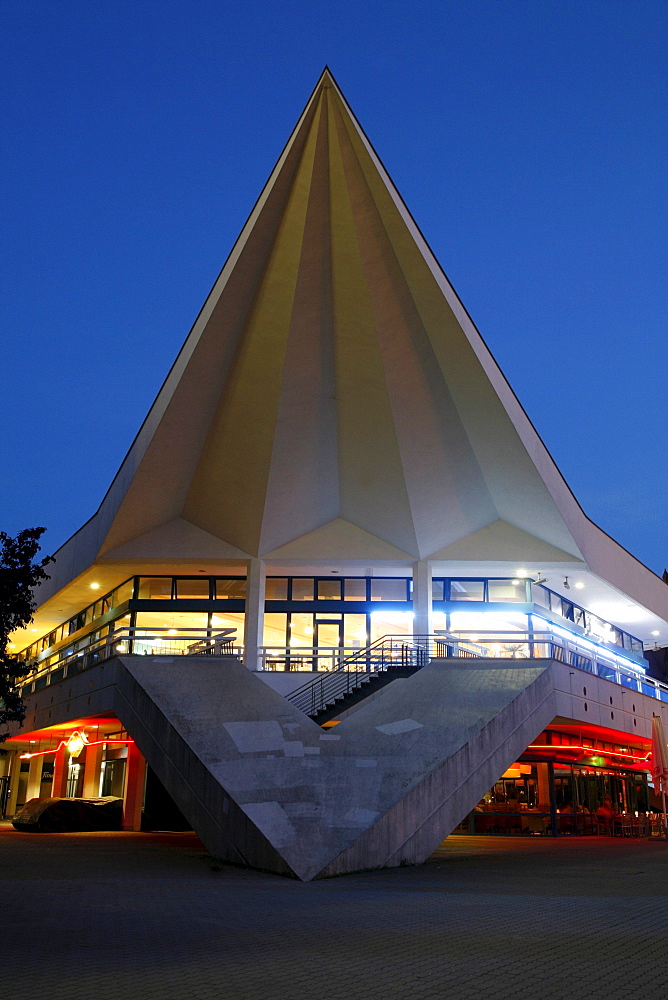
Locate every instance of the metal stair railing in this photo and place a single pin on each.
(355, 670)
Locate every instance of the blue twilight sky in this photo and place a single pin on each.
(528, 138)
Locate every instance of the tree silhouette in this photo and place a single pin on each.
(19, 573)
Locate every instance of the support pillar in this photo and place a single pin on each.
(34, 778)
(92, 769)
(61, 762)
(135, 781)
(254, 627)
(422, 599)
(14, 778)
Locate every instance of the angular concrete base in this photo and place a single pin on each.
(263, 785)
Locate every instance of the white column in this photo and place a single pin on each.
(34, 778)
(422, 622)
(92, 770)
(254, 628)
(14, 778)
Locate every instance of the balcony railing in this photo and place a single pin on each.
(134, 642)
(573, 650)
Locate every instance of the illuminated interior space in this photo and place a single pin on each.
(334, 465)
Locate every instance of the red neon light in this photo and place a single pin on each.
(63, 743)
(592, 752)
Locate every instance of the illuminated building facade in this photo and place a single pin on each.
(335, 466)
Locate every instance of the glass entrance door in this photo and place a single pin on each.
(328, 633)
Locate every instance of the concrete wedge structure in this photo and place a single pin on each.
(263, 785)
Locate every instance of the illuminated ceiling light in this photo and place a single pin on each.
(579, 585)
(172, 631)
(515, 583)
(34, 630)
(656, 633)
(95, 586)
(522, 573)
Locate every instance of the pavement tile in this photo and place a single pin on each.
(153, 917)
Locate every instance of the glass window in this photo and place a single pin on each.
(301, 628)
(506, 590)
(97, 609)
(276, 590)
(467, 590)
(231, 588)
(438, 590)
(354, 631)
(172, 622)
(155, 588)
(229, 619)
(302, 589)
(354, 589)
(390, 623)
(579, 616)
(555, 604)
(124, 592)
(388, 589)
(540, 595)
(168, 631)
(329, 590)
(193, 590)
(275, 628)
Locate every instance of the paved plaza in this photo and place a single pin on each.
(104, 916)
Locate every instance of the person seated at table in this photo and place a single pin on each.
(605, 810)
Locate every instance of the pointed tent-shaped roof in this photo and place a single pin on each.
(334, 395)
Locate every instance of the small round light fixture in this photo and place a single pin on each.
(579, 585)
(95, 586)
(522, 573)
(656, 633)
